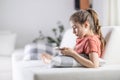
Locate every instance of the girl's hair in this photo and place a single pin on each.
(91, 16)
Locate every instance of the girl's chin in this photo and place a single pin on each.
(78, 36)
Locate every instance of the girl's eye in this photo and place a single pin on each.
(73, 27)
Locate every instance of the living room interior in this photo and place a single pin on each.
(23, 22)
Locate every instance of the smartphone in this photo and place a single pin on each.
(58, 48)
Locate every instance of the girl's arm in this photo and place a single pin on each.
(93, 62)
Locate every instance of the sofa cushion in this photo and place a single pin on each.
(112, 51)
(32, 51)
(7, 43)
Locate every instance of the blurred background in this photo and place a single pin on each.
(27, 17)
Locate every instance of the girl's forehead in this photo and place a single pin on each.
(73, 23)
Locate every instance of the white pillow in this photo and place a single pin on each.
(66, 61)
(69, 39)
(7, 43)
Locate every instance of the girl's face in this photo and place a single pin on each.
(78, 29)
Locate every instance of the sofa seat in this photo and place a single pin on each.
(102, 73)
(37, 70)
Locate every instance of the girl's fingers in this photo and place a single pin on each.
(46, 58)
(42, 56)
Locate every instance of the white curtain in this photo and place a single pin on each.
(113, 12)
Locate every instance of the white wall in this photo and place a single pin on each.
(27, 17)
(101, 6)
(97, 5)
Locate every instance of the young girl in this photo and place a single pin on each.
(86, 27)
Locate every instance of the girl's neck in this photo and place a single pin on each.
(90, 33)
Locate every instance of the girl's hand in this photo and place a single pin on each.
(46, 58)
(68, 51)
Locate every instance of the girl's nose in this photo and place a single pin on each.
(73, 31)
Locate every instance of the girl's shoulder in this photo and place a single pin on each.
(92, 37)
(86, 39)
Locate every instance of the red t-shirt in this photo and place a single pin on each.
(88, 44)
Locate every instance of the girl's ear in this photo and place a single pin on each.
(86, 24)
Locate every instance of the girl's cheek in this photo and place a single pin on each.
(73, 31)
(76, 30)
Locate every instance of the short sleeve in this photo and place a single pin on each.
(91, 46)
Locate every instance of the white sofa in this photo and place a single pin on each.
(36, 70)
(7, 45)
